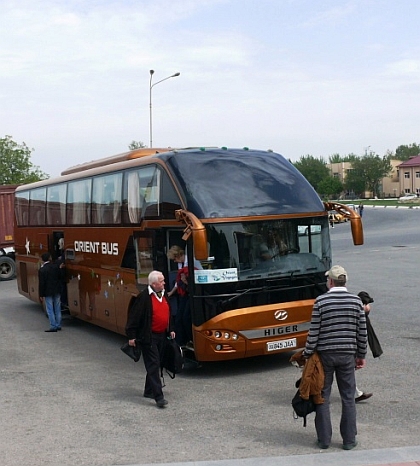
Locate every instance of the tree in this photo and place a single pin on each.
(337, 158)
(355, 182)
(370, 169)
(313, 169)
(136, 145)
(405, 152)
(15, 164)
(330, 186)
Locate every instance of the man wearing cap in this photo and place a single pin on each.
(338, 333)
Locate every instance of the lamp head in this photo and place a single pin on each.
(151, 72)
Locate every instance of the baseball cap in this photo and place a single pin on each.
(335, 272)
(364, 296)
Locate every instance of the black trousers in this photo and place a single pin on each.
(151, 357)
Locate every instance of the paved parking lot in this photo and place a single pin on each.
(73, 398)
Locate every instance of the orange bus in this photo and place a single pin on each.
(258, 228)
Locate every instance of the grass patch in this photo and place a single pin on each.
(382, 202)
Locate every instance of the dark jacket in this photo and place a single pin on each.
(139, 322)
(50, 279)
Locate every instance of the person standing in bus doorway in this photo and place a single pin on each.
(50, 279)
(148, 324)
(183, 320)
(338, 333)
(61, 260)
(177, 254)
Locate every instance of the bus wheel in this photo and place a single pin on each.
(7, 268)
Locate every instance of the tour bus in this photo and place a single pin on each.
(257, 227)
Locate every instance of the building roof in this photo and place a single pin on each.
(412, 162)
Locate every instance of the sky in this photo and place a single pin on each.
(300, 77)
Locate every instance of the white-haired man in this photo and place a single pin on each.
(148, 325)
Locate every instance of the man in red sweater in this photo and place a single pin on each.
(149, 323)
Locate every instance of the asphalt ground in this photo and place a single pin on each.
(73, 398)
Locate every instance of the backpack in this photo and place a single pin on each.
(302, 407)
(172, 359)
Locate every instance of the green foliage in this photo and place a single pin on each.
(405, 152)
(330, 186)
(369, 169)
(136, 145)
(15, 164)
(355, 182)
(337, 158)
(313, 169)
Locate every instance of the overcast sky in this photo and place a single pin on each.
(300, 77)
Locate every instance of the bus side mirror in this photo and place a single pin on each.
(353, 216)
(195, 228)
(357, 231)
(200, 245)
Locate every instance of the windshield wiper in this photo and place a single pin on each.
(223, 304)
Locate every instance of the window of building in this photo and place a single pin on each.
(406, 174)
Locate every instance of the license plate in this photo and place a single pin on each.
(281, 344)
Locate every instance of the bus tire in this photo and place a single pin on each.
(7, 268)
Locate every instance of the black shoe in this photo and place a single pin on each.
(51, 330)
(350, 446)
(149, 395)
(161, 403)
(321, 445)
(59, 329)
(364, 396)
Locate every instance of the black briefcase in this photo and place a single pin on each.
(134, 352)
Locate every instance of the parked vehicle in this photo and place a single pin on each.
(7, 251)
(408, 197)
(336, 217)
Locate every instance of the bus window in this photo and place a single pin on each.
(78, 202)
(37, 206)
(56, 204)
(22, 208)
(143, 245)
(106, 199)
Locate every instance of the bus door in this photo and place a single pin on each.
(42, 239)
(146, 256)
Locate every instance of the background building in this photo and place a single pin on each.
(409, 176)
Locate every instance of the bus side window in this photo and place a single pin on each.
(129, 259)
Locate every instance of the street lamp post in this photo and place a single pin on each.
(150, 100)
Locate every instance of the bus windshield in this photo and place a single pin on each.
(260, 264)
(234, 183)
(270, 248)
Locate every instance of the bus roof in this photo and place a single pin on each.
(134, 154)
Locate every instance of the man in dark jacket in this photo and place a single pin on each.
(50, 282)
(148, 324)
